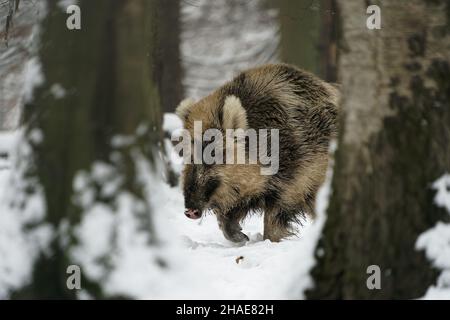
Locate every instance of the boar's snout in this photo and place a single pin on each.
(192, 213)
(199, 185)
(193, 205)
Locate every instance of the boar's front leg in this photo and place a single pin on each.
(229, 224)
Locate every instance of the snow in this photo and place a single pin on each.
(267, 271)
(58, 91)
(188, 260)
(7, 141)
(200, 262)
(442, 186)
(171, 122)
(33, 77)
(23, 235)
(436, 242)
(22, 209)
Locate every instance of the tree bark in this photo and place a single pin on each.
(15, 47)
(168, 71)
(328, 40)
(394, 138)
(222, 38)
(300, 30)
(105, 72)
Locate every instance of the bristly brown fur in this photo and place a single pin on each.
(276, 96)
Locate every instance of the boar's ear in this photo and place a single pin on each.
(183, 108)
(234, 115)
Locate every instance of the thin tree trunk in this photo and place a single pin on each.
(98, 84)
(15, 47)
(328, 40)
(168, 72)
(394, 142)
(300, 29)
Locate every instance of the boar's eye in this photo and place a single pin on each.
(211, 186)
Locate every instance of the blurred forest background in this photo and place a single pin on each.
(88, 107)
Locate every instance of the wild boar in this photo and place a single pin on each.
(302, 109)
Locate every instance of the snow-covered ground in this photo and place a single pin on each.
(201, 263)
(256, 270)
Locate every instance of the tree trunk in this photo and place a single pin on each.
(14, 54)
(222, 38)
(300, 30)
(98, 86)
(394, 142)
(168, 72)
(328, 40)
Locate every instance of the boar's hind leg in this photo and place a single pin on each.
(277, 225)
(229, 224)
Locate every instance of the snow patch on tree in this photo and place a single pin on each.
(436, 242)
(33, 77)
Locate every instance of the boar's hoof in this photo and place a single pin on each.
(236, 237)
